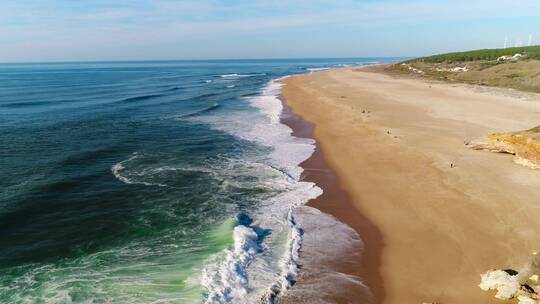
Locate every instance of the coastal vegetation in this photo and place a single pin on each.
(531, 52)
(516, 68)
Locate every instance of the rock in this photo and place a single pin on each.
(506, 285)
(524, 145)
(510, 284)
(453, 70)
(526, 300)
(515, 57)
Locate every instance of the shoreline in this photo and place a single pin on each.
(396, 147)
(336, 202)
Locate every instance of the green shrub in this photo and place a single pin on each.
(532, 52)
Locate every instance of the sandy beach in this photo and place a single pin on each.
(432, 213)
(331, 270)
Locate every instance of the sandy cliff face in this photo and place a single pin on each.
(524, 145)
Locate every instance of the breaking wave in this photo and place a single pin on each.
(227, 281)
(235, 75)
(317, 69)
(243, 274)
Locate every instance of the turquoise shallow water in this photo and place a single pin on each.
(124, 182)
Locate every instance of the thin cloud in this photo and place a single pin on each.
(105, 27)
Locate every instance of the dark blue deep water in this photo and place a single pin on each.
(123, 182)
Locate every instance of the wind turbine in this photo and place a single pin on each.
(505, 41)
(530, 39)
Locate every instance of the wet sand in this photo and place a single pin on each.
(432, 213)
(336, 202)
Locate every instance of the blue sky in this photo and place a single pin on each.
(64, 30)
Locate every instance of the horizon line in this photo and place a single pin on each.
(195, 60)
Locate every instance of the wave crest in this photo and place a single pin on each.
(235, 75)
(227, 281)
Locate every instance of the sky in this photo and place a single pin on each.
(87, 30)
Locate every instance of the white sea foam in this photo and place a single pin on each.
(119, 167)
(115, 169)
(226, 280)
(235, 75)
(288, 151)
(317, 69)
(290, 260)
(136, 178)
(242, 275)
(328, 243)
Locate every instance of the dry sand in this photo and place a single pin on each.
(434, 214)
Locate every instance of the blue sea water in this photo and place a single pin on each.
(149, 182)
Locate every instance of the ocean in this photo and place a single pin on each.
(150, 182)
